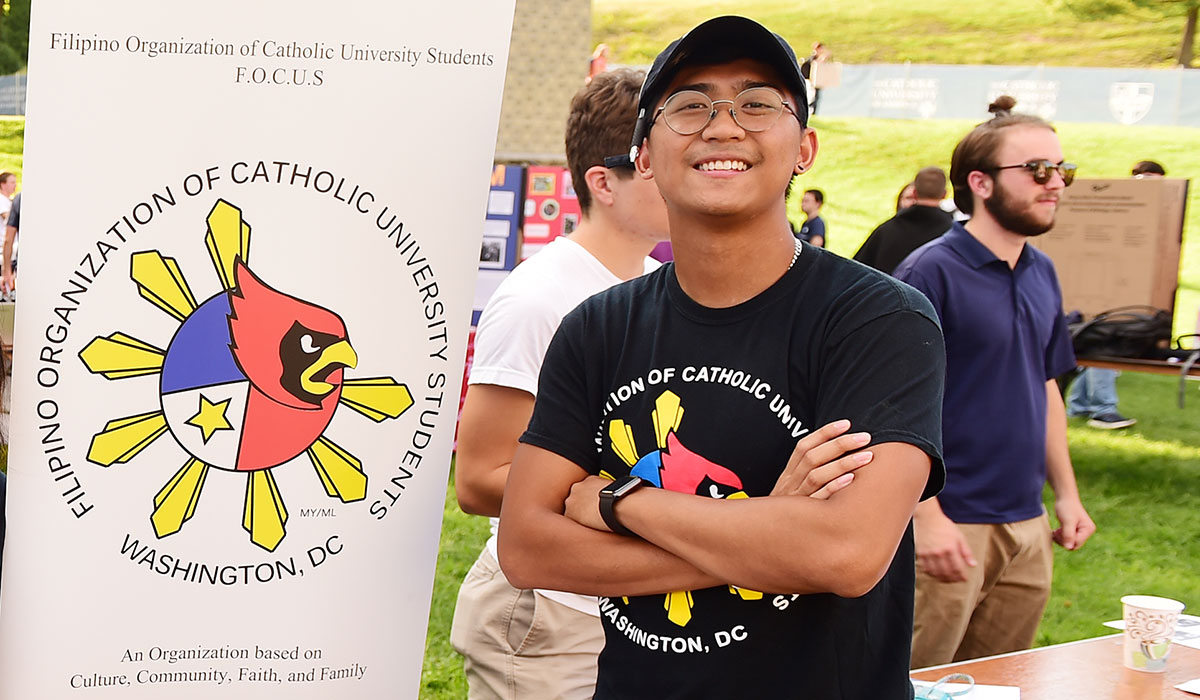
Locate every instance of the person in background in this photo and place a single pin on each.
(984, 554)
(12, 227)
(8, 187)
(813, 228)
(912, 227)
(520, 643)
(820, 54)
(1093, 394)
(906, 197)
(599, 62)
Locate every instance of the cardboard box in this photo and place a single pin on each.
(1116, 243)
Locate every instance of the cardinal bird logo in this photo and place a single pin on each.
(249, 382)
(674, 467)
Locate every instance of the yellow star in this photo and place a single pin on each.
(211, 417)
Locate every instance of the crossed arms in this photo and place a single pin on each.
(552, 536)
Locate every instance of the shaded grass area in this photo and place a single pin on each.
(1014, 32)
(1141, 486)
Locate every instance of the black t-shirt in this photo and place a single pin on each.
(712, 402)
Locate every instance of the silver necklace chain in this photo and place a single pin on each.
(795, 255)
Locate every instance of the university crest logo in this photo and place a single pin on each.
(248, 383)
(1130, 102)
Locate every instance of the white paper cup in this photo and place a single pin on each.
(1149, 626)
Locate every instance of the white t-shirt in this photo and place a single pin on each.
(516, 328)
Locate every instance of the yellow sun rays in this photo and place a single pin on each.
(123, 438)
(228, 239)
(176, 501)
(264, 515)
(341, 472)
(160, 282)
(117, 356)
(377, 398)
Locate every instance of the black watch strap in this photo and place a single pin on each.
(609, 495)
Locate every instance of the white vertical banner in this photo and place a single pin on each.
(247, 259)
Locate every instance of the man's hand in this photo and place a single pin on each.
(1075, 525)
(583, 503)
(942, 551)
(8, 282)
(819, 466)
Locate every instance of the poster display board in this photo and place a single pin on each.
(551, 207)
(1117, 243)
(249, 247)
(501, 234)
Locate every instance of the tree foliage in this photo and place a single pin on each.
(14, 35)
(1103, 9)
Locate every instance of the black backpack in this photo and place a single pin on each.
(1131, 331)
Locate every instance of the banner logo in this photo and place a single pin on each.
(249, 382)
(1129, 102)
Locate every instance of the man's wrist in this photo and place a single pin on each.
(610, 494)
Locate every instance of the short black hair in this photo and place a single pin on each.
(817, 195)
(1145, 167)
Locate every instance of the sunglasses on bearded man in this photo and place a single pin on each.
(1042, 169)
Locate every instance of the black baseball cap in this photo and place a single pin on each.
(719, 40)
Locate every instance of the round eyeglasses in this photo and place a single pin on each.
(1043, 169)
(689, 111)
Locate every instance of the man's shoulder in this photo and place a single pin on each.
(628, 294)
(935, 254)
(863, 290)
(890, 224)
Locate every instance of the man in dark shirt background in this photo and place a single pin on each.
(813, 229)
(911, 227)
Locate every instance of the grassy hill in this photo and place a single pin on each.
(1013, 32)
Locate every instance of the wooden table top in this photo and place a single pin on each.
(1090, 669)
(1135, 365)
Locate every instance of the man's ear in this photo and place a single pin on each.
(642, 162)
(808, 151)
(597, 182)
(980, 183)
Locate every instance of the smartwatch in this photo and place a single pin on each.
(608, 500)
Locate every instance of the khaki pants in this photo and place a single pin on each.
(518, 645)
(997, 610)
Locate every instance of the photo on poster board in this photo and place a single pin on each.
(542, 184)
(492, 253)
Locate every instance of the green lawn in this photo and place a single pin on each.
(12, 143)
(1013, 32)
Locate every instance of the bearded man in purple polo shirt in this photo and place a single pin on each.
(984, 557)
